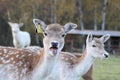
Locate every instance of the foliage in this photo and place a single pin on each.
(66, 10)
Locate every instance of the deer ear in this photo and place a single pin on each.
(89, 38)
(21, 24)
(40, 25)
(69, 26)
(105, 38)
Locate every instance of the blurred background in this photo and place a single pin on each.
(96, 16)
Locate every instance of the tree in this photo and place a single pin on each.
(104, 15)
(85, 13)
(80, 12)
(5, 33)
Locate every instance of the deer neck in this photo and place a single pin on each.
(85, 62)
(45, 64)
(15, 35)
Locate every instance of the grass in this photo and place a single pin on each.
(108, 69)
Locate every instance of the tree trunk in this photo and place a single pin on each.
(95, 17)
(104, 15)
(8, 14)
(80, 14)
(53, 11)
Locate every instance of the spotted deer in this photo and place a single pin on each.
(72, 67)
(25, 64)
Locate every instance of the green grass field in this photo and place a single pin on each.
(108, 69)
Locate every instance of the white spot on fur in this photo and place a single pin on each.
(12, 59)
(6, 61)
(17, 56)
(2, 58)
(22, 56)
(5, 50)
(29, 54)
(20, 63)
(24, 70)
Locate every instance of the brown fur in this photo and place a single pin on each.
(27, 58)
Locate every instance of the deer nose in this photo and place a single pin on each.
(106, 55)
(54, 44)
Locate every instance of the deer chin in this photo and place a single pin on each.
(53, 51)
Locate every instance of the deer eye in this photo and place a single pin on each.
(93, 45)
(45, 33)
(63, 35)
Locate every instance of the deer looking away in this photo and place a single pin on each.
(25, 64)
(21, 39)
(71, 67)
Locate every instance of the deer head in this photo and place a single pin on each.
(54, 35)
(15, 27)
(96, 46)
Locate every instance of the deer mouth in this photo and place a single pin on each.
(54, 50)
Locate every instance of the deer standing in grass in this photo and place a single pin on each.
(24, 64)
(71, 67)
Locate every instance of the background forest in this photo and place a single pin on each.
(88, 14)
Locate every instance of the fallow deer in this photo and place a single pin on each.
(21, 39)
(71, 67)
(25, 64)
